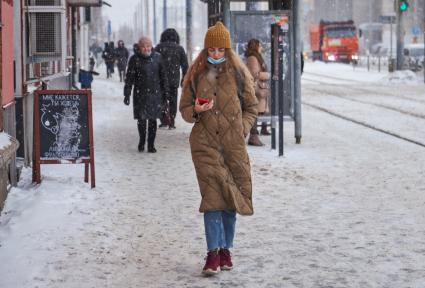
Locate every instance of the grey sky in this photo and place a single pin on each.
(121, 12)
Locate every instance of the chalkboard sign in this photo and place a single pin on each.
(63, 130)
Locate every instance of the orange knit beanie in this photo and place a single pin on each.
(217, 36)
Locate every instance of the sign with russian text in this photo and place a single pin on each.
(63, 130)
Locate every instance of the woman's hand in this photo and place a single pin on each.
(202, 108)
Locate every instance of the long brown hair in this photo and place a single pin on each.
(252, 49)
(199, 66)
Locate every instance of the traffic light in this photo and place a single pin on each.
(403, 5)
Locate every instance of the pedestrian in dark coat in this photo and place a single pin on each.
(135, 48)
(121, 54)
(108, 56)
(147, 77)
(174, 58)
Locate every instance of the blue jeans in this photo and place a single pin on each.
(220, 228)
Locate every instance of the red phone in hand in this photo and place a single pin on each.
(203, 101)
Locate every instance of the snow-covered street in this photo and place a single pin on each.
(346, 208)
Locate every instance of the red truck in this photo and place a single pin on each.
(334, 41)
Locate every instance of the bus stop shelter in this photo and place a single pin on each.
(284, 55)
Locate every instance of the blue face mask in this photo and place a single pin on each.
(216, 61)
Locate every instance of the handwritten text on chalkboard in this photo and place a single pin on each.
(63, 127)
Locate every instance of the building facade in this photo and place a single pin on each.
(8, 143)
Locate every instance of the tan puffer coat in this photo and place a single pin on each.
(217, 139)
(261, 79)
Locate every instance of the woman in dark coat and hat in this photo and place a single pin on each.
(174, 58)
(146, 73)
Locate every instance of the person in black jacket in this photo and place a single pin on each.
(121, 54)
(108, 56)
(175, 58)
(147, 74)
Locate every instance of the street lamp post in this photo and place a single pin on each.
(154, 22)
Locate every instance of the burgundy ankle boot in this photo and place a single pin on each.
(212, 263)
(225, 260)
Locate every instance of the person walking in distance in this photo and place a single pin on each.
(121, 54)
(174, 58)
(219, 98)
(147, 77)
(108, 56)
(258, 69)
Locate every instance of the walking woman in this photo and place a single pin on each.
(147, 79)
(218, 96)
(258, 69)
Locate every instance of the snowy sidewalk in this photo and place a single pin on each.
(343, 209)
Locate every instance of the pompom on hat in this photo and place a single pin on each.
(217, 36)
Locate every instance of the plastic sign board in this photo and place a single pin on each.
(85, 3)
(387, 19)
(416, 31)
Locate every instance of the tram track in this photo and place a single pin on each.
(364, 124)
(363, 90)
(391, 108)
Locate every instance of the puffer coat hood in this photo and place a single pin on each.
(170, 35)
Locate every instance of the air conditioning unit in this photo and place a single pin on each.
(44, 33)
(44, 3)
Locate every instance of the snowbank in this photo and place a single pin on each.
(401, 77)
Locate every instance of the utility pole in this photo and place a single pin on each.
(369, 31)
(189, 30)
(147, 19)
(164, 16)
(226, 12)
(154, 23)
